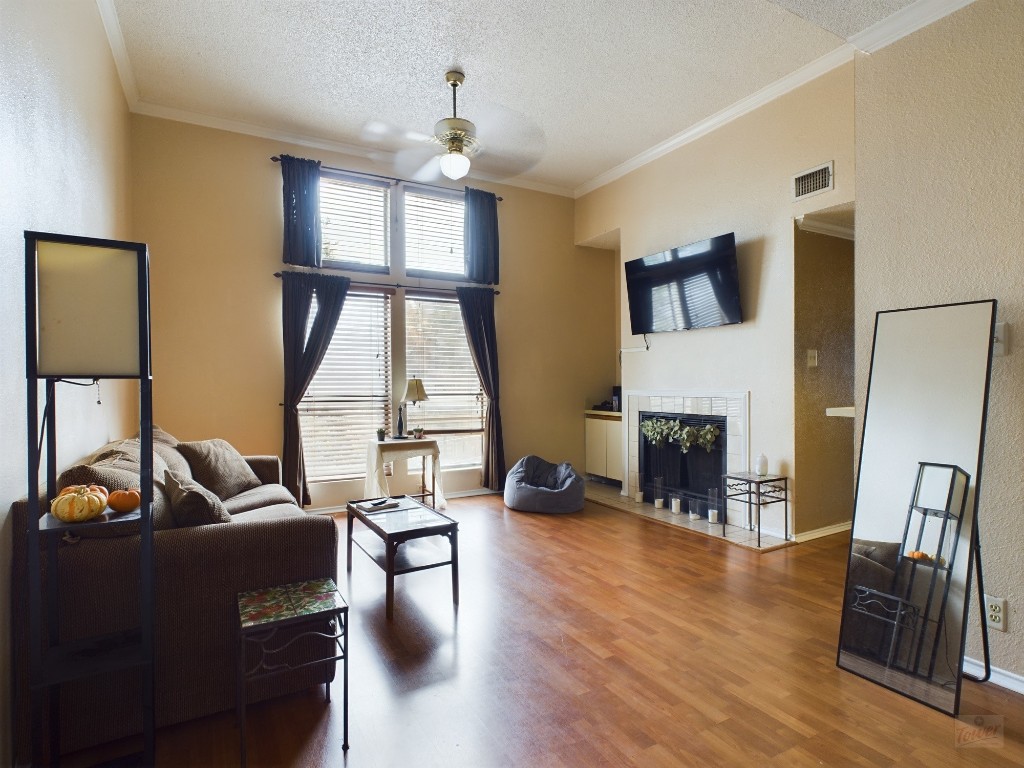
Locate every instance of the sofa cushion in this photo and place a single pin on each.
(262, 496)
(275, 512)
(116, 470)
(191, 503)
(217, 466)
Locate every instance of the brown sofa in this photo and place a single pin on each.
(266, 540)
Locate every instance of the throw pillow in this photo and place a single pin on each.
(216, 465)
(191, 504)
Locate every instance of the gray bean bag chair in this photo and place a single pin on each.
(535, 485)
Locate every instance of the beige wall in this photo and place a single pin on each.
(823, 321)
(63, 140)
(209, 204)
(940, 218)
(734, 179)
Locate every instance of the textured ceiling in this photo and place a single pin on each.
(561, 92)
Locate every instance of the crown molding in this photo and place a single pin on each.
(807, 224)
(259, 131)
(904, 22)
(112, 26)
(780, 87)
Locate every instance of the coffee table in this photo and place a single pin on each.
(395, 526)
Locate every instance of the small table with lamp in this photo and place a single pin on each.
(381, 452)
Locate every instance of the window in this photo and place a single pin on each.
(350, 395)
(354, 219)
(436, 351)
(403, 230)
(433, 234)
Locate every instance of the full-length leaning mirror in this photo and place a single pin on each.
(908, 578)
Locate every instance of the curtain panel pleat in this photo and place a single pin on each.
(477, 306)
(480, 234)
(302, 232)
(302, 357)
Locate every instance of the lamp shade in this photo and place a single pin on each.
(454, 165)
(414, 391)
(87, 307)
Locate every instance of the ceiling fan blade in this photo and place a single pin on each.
(418, 163)
(511, 143)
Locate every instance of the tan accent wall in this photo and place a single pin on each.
(64, 144)
(940, 218)
(736, 179)
(209, 204)
(823, 321)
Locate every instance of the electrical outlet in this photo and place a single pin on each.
(995, 612)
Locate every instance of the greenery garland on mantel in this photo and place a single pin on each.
(660, 431)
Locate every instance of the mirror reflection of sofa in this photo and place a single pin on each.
(875, 566)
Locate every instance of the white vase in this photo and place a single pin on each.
(761, 465)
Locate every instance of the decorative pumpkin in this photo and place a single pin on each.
(124, 501)
(75, 489)
(79, 503)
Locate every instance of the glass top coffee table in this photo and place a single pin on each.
(393, 522)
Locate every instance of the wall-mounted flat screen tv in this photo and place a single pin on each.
(693, 286)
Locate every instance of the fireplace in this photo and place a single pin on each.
(668, 472)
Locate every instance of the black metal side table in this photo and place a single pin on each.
(308, 606)
(757, 491)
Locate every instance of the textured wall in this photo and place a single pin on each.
(940, 218)
(209, 204)
(734, 179)
(63, 140)
(823, 320)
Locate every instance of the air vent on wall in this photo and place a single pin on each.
(813, 181)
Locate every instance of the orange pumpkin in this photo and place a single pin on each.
(125, 501)
(79, 503)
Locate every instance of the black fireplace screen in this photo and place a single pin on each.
(667, 471)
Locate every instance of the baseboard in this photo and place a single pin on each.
(818, 533)
(324, 510)
(1001, 677)
(455, 495)
(474, 492)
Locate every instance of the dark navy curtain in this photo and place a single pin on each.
(302, 357)
(301, 187)
(477, 305)
(480, 231)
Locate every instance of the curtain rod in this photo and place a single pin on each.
(277, 159)
(399, 285)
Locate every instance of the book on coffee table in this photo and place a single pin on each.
(376, 505)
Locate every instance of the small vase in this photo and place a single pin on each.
(761, 466)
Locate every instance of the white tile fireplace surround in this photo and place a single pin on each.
(735, 407)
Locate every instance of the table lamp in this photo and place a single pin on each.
(414, 393)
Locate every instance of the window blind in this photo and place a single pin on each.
(433, 233)
(350, 395)
(437, 352)
(354, 222)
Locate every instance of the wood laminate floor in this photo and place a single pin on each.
(601, 639)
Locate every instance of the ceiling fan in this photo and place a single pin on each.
(513, 142)
(455, 134)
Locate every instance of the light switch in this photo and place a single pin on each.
(1000, 344)
(812, 358)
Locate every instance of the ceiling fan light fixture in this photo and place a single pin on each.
(454, 164)
(456, 135)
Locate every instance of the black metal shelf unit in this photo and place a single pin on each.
(914, 609)
(932, 533)
(56, 266)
